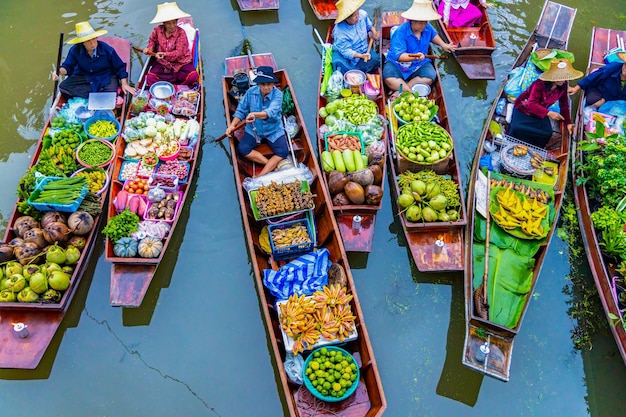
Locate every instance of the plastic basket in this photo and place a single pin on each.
(304, 187)
(180, 180)
(185, 153)
(95, 119)
(292, 251)
(171, 157)
(166, 181)
(309, 386)
(121, 176)
(90, 142)
(358, 134)
(176, 208)
(55, 207)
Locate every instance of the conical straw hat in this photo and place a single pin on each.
(560, 70)
(421, 10)
(85, 32)
(346, 7)
(168, 11)
(622, 56)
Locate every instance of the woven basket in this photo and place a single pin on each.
(440, 167)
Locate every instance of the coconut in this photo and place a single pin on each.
(373, 194)
(27, 295)
(418, 186)
(341, 200)
(355, 192)
(405, 200)
(39, 283)
(414, 214)
(59, 280)
(438, 202)
(6, 252)
(56, 232)
(80, 222)
(378, 173)
(336, 181)
(24, 223)
(429, 215)
(52, 217)
(27, 253)
(36, 236)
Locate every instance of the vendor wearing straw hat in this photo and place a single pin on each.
(608, 83)
(174, 62)
(350, 43)
(531, 119)
(406, 64)
(91, 65)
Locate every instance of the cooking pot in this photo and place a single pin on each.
(162, 90)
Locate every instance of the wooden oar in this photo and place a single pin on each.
(369, 45)
(430, 56)
(138, 49)
(59, 53)
(239, 126)
(480, 295)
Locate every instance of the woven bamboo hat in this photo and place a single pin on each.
(544, 52)
(622, 56)
(560, 70)
(85, 32)
(168, 11)
(346, 7)
(421, 10)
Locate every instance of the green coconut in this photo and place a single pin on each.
(405, 200)
(59, 280)
(27, 295)
(414, 214)
(438, 202)
(429, 215)
(39, 283)
(7, 296)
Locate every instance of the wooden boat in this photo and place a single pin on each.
(552, 31)
(131, 277)
(355, 239)
(474, 46)
(369, 399)
(603, 271)
(251, 5)
(42, 320)
(421, 237)
(324, 9)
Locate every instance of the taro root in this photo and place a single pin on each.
(56, 232)
(355, 193)
(52, 217)
(80, 222)
(35, 235)
(27, 252)
(24, 223)
(341, 200)
(6, 252)
(336, 181)
(378, 173)
(373, 194)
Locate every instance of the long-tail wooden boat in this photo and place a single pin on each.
(355, 239)
(603, 271)
(474, 46)
(489, 338)
(131, 276)
(369, 399)
(42, 320)
(324, 9)
(421, 237)
(251, 5)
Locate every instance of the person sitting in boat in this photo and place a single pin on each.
(461, 13)
(91, 66)
(350, 45)
(531, 117)
(607, 83)
(406, 63)
(174, 62)
(261, 108)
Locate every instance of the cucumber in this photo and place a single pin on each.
(358, 161)
(366, 161)
(327, 161)
(338, 160)
(348, 160)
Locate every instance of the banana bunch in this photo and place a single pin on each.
(345, 321)
(331, 297)
(62, 156)
(516, 211)
(520, 150)
(96, 179)
(293, 314)
(290, 236)
(530, 192)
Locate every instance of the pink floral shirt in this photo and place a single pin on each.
(176, 47)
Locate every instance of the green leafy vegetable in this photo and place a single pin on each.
(121, 225)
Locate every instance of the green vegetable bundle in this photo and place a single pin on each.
(64, 191)
(121, 225)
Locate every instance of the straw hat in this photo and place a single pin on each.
(168, 11)
(544, 52)
(85, 32)
(421, 10)
(622, 56)
(346, 7)
(560, 70)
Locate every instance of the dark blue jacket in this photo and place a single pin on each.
(606, 79)
(99, 69)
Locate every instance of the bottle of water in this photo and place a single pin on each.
(500, 106)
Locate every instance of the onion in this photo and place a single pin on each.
(80, 222)
(56, 232)
(24, 223)
(51, 217)
(35, 235)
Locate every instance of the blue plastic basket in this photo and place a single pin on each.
(315, 392)
(180, 181)
(293, 251)
(97, 117)
(55, 207)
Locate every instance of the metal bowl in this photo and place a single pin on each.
(162, 90)
(421, 89)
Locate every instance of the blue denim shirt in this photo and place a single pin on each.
(253, 101)
(606, 79)
(403, 40)
(351, 39)
(99, 69)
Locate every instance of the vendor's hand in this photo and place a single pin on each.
(54, 75)
(129, 89)
(366, 57)
(487, 5)
(573, 90)
(570, 129)
(555, 116)
(449, 47)
(250, 118)
(418, 56)
(160, 55)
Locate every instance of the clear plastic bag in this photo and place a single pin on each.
(301, 172)
(335, 84)
(372, 130)
(293, 367)
(376, 152)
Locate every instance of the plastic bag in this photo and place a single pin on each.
(156, 194)
(372, 130)
(304, 275)
(616, 108)
(335, 84)
(376, 152)
(157, 230)
(293, 367)
(301, 172)
(520, 79)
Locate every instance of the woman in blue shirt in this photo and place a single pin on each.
(261, 108)
(608, 83)
(350, 45)
(406, 62)
(91, 65)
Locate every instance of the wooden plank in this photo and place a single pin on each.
(359, 240)
(129, 284)
(252, 5)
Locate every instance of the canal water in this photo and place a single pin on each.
(197, 346)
